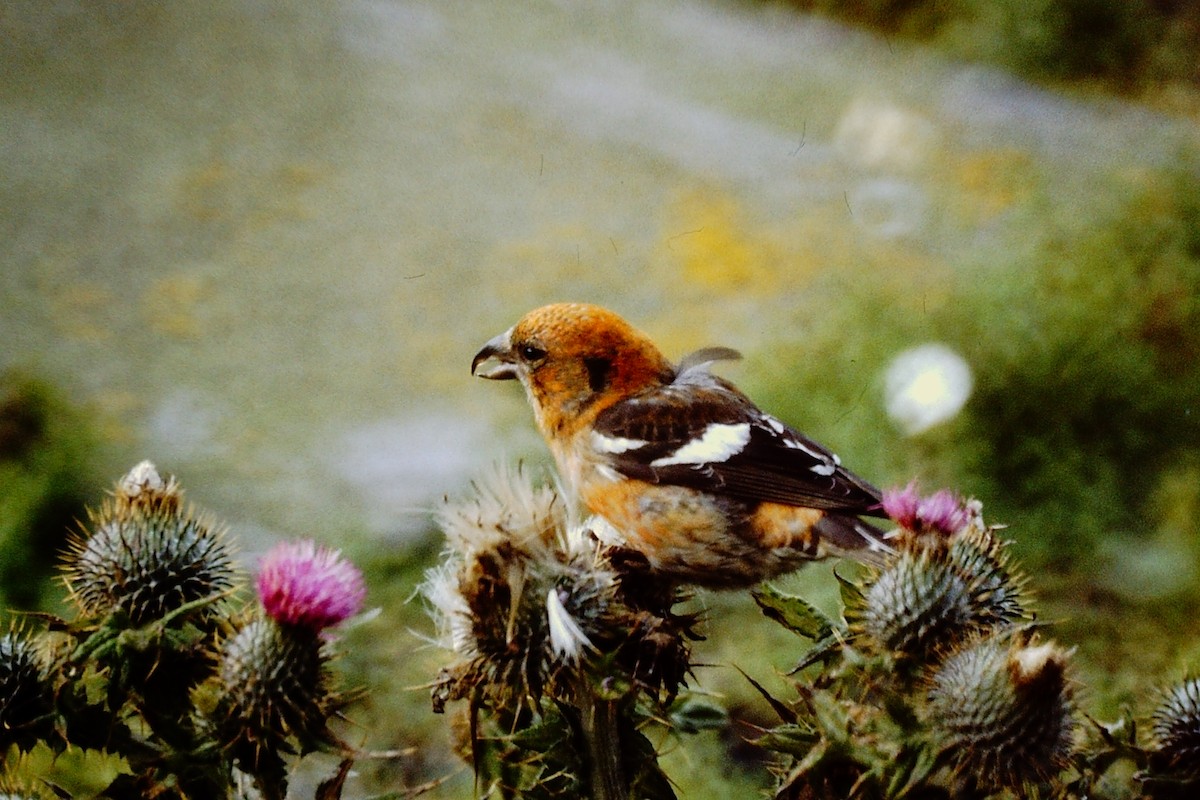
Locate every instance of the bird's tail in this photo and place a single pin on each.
(850, 537)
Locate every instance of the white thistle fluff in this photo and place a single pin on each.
(448, 609)
(505, 508)
(567, 639)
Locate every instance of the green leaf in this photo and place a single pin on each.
(793, 739)
(694, 715)
(851, 592)
(831, 717)
(794, 613)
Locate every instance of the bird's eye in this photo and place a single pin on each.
(529, 352)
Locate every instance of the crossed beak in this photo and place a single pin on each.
(495, 360)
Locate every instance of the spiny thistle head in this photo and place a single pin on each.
(937, 591)
(1004, 707)
(26, 696)
(517, 610)
(310, 586)
(1177, 727)
(146, 555)
(274, 690)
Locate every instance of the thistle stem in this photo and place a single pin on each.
(601, 732)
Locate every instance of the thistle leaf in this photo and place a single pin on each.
(794, 613)
(794, 739)
(694, 715)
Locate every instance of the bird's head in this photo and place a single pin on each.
(574, 360)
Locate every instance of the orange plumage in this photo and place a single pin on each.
(681, 464)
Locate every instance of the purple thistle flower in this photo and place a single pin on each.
(941, 512)
(902, 504)
(310, 586)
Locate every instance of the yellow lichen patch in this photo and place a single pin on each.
(562, 261)
(712, 245)
(171, 305)
(1175, 502)
(992, 181)
(299, 176)
(116, 410)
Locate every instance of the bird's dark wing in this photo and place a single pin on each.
(703, 433)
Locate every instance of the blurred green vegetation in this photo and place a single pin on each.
(46, 449)
(1083, 430)
(1126, 45)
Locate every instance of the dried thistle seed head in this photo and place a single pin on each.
(1004, 706)
(146, 556)
(527, 593)
(275, 689)
(304, 584)
(1177, 727)
(26, 696)
(448, 609)
(936, 593)
(568, 640)
(505, 510)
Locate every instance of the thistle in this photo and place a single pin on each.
(1177, 728)
(949, 578)
(942, 512)
(1004, 709)
(146, 555)
(26, 696)
(937, 592)
(551, 628)
(276, 690)
(302, 584)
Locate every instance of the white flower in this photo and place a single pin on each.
(926, 385)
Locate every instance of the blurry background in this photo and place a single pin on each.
(259, 242)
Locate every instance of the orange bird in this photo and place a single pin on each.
(681, 464)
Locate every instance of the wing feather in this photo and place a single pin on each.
(701, 432)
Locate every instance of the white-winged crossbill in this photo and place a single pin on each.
(681, 464)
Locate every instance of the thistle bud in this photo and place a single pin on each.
(274, 671)
(938, 591)
(274, 690)
(1177, 727)
(26, 697)
(146, 556)
(1004, 706)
